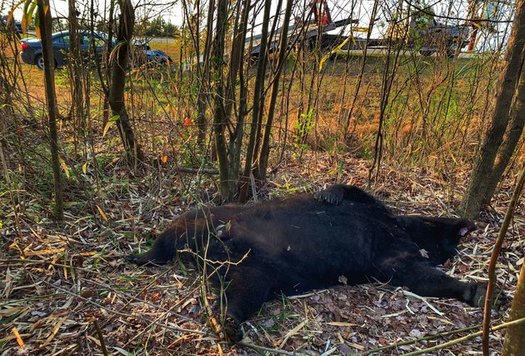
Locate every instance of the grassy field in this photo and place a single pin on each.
(434, 111)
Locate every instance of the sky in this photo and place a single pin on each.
(171, 10)
(168, 9)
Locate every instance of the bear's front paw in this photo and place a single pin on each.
(477, 296)
(232, 330)
(330, 196)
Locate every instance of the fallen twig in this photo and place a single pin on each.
(174, 328)
(466, 337)
(212, 171)
(101, 339)
(423, 338)
(424, 300)
(269, 349)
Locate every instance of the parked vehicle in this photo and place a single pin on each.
(6, 25)
(148, 55)
(440, 37)
(429, 36)
(92, 46)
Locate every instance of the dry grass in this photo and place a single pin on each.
(62, 283)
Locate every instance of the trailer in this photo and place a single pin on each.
(420, 32)
(305, 35)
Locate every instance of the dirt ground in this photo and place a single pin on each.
(66, 289)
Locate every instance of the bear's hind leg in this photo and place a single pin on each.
(246, 290)
(428, 281)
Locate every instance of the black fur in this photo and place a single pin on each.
(305, 242)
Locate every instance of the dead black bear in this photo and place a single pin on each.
(305, 242)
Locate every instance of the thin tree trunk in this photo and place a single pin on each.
(237, 71)
(203, 70)
(220, 121)
(75, 75)
(236, 57)
(258, 103)
(361, 71)
(512, 136)
(515, 337)
(494, 259)
(105, 85)
(44, 15)
(283, 51)
(258, 135)
(478, 192)
(118, 82)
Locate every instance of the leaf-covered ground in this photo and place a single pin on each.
(66, 289)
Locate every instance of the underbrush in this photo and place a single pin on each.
(67, 288)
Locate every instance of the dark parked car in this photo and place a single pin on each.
(429, 36)
(32, 49)
(146, 54)
(13, 25)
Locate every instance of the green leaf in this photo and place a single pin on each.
(112, 120)
(64, 166)
(29, 12)
(122, 351)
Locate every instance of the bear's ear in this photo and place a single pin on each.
(466, 228)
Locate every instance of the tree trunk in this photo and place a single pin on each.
(105, 81)
(44, 15)
(203, 70)
(515, 338)
(512, 135)
(220, 120)
(258, 103)
(483, 176)
(75, 75)
(118, 82)
(236, 75)
(283, 50)
(494, 259)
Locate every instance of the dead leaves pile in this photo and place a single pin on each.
(67, 290)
